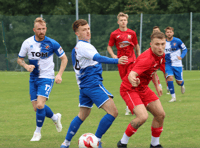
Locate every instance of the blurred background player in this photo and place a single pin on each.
(139, 97)
(40, 50)
(87, 66)
(157, 29)
(173, 64)
(125, 41)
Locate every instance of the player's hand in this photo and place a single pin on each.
(29, 68)
(123, 60)
(159, 91)
(179, 57)
(133, 80)
(58, 79)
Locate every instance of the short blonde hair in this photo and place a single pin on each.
(169, 28)
(39, 20)
(121, 14)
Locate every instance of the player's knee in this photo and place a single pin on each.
(179, 82)
(40, 106)
(143, 118)
(114, 113)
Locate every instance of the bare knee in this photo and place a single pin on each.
(114, 113)
(179, 82)
(143, 118)
(40, 106)
(160, 117)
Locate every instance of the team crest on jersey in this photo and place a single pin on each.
(129, 36)
(174, 44)
(47, 47)
(161, 61)
(60, 50)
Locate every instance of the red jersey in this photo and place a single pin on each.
(146, 65)
(124, 42)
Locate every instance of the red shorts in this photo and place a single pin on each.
(124, 69)
(133, 97)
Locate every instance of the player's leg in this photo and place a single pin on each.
(178, 73)
(169, 76)
(157, 111)
(75, 125)
(136, 105)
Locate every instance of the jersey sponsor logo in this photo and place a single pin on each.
(39, 54)
(124, 44)
(118, 36)
(161, 61)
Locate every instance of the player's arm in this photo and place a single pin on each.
(109, 48)
(184, 50)
(22, 63)
(103, 59)
(132, 77)
(155, 80)
(137, 49)
(64, 61)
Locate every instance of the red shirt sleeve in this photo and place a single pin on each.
(112, 40)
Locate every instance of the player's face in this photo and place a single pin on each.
(122, 21)
(169, 33)
(158, 46)
(83, 33)
(40, 31)
(156, 30)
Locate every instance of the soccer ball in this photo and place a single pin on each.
(88, 140)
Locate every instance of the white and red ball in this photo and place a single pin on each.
(88, 140)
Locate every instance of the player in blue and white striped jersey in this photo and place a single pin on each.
(40, 49)
(175, 51)
(87, 66)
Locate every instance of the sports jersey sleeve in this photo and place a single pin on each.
(103, 59)
(135, 41)
(88, 52)
(141, 65)
(23, 50)
(58, 49)
(183, 48)
(112, 40)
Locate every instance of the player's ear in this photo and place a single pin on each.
(76, 33)
(33, 29)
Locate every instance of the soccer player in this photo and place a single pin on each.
(139, 97)
(125, 41)
(157, 29)
(87, 66)
(173, 58)
(40, 50)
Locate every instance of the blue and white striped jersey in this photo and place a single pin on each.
(172, 50)
(40, 54)
(88, 72)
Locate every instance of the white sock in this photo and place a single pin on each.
(173, 95)
(155, 141)
(67, 142)
(99, 139)
(38, 129)
(125, 139)
(54, 117)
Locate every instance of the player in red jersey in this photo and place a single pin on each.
(139, 97)
(125, 41)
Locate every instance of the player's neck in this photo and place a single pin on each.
(123, 29)
(170, 39)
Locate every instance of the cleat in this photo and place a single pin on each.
(128, 112)
(183, 89)
(63, 145)
(58, 123)
(100, 144)
(120, 145)
(158, 146)
(36, 136)
(173, 100)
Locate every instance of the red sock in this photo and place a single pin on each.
(130, 130)
(155, 132)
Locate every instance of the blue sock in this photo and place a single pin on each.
(48, 111)
(104, 124)
(181, 83)
(171, 87)
(73, 128)
(40, 116)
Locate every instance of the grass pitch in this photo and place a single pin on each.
(17, 120)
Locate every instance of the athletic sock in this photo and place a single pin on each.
(38, 129)
(104, 124)
(40, 116)
(49, 112)
(125, 139)
(73, 128)
(155, 132)
(130, 130)
(171, 87)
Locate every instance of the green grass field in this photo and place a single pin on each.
(17, 120)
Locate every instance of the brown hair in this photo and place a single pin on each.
(77, 23)
(121, 14)
(156, 27)
(169, 28)
(159, 35)
(39, 20)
